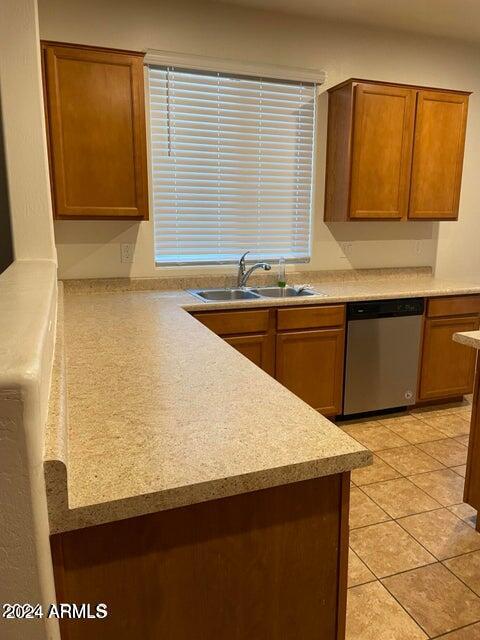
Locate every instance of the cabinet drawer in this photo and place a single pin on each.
(453, 306)
(310, 317)
(231, 322)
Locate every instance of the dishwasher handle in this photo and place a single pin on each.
(385, 308)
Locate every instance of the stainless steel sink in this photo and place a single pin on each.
(224, 295)
(283, 292)
(220, 295)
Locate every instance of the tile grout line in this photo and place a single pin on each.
(416, 621)
(444, 635)
(453, 504)
(405, 609)
(424, 547)
(408, 514)
(400, 605)
(393, 518)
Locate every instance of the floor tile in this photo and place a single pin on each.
(432, 411)
(465, 512)
(373, 614)
(472, 632)
(443, 408)
(374, 435)
(448, 451)
(444, 485)
(429, 447)
(413, 430)
(401, 497)
(451, 424)
(467, 568)
(409, 460)
(461, 470)
(401, 417)
(358, 572)
(435, 598)
(465, 412)
(386, 549)
(376, 472)
(442, 533)
(363, 511)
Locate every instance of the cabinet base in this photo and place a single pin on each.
(268, 565)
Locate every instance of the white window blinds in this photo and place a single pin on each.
(232, 167)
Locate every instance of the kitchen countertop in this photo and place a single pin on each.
(162, 413)
(469, 338)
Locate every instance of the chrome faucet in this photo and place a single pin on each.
(244, 274)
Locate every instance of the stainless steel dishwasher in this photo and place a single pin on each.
(382, 356)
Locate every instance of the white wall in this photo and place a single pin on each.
(90, 249)
(28, 296)
(24, 131)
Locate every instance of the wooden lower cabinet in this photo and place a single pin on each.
(447, 368)
(267, 565)
(252, 332)
(257, 348)
(302, 347)
(310, 364)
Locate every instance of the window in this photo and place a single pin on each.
(232, 167)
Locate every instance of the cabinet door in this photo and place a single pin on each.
(438, 155)
(97, 138)
(382, 148)
(448, 368)
(310, 364)
(257, 348)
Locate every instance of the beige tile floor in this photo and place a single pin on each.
(414, 567)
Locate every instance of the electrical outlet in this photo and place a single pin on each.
(418, 247)
(126, 252)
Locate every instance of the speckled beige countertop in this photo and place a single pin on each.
(469, 338)
(162, 413)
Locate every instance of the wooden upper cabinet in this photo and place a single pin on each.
(97, 134)
(381, 154)
(394, 152)
(438, 155)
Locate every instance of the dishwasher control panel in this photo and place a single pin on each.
(385, 308)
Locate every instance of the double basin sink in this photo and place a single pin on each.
(221, 295)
